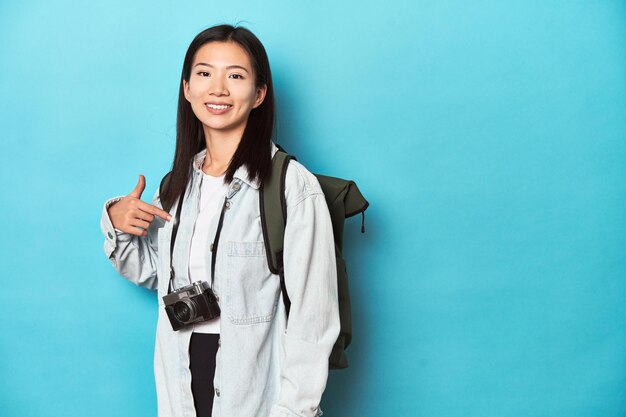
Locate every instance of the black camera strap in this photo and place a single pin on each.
(225, 206)
(217, 238)
(173, 239)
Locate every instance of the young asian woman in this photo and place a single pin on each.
(252, 360)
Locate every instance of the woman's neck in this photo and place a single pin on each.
(220, 149)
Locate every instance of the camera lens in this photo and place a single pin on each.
(185, 310)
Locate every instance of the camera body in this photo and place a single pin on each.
(191, 304)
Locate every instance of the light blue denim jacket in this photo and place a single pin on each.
(266, 365)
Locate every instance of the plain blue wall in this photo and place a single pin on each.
(489, 138)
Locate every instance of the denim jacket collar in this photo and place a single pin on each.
(241, 173)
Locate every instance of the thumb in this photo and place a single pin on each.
(141, 185)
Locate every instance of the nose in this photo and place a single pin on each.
(218, 87)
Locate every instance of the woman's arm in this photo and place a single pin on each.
(311, 281)
(134, 257)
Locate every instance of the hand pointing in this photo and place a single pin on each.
(131, 215)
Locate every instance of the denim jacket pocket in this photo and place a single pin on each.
(251, 290)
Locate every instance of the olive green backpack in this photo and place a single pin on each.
(344, 200)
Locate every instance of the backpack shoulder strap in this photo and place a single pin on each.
(274, 217)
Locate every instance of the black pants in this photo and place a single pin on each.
(202, 350)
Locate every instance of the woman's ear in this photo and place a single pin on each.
(186, 90)
(260, 95)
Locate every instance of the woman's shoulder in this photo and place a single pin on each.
(300, 183)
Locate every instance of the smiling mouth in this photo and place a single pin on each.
(218, 106)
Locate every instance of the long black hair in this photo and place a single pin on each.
(254, 148)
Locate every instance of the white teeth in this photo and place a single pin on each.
(218, 107)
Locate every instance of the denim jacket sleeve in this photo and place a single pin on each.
(311, 281)
(134, 257)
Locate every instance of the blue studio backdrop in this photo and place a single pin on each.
(489, 138)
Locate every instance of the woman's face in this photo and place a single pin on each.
(221, 88)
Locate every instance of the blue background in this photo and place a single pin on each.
(489, 138)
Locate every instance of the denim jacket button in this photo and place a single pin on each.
(236, 186)
(109, 235)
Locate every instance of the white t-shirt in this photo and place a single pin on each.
(212, 192)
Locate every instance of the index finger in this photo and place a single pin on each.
(149, 208)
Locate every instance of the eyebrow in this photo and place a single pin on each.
(228, 67)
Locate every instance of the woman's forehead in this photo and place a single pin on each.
(222, 54)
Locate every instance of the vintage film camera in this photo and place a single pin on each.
(191, 304)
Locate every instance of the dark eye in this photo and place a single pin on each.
(236, 76)
(203, 74)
